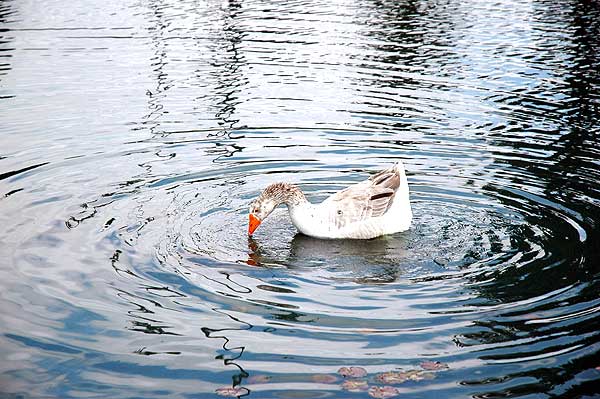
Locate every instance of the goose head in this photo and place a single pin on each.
(269, 199)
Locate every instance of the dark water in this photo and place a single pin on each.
(133, 135)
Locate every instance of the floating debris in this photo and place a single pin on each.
(434, 366)
(383, 392)
(392, 377)
(232, 392)
(352, 372)
(399, 377)
(422, 375)
(324, 378)
(355, 385)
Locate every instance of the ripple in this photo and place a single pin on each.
(133, 140)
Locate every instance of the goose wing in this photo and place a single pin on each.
(365, 200)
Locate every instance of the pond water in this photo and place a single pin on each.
(134, 135)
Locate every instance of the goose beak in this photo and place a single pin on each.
(253, 224)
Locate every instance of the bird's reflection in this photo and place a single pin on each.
(253, 252)
(376, 260)
(303, 248)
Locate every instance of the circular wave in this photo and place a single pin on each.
(464, 269)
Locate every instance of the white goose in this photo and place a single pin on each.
(374, 207)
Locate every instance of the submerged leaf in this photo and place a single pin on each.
(399, 377)
(392, 377)
(422, 375)
(352, 372)
(429, 365)
(383, 392)
(232, 392)
(324, 378)
(355, 385)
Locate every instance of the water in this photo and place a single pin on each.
(133, 136)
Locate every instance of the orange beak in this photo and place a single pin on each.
(253, 224)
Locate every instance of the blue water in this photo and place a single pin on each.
(134, 135)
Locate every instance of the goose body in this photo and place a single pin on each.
(377, 206)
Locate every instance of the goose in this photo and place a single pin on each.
(374, 207)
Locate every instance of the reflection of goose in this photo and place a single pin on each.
(307, 250)
(377, 260)
(374, 207)
(367, 261)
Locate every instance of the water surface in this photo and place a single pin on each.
(133, 136)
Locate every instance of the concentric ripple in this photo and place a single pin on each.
(134, 135)
(464, 270)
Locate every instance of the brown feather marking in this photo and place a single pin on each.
(384, 178)
(370, 198)
(393, 182)
(382, 195)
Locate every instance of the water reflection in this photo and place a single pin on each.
(6, 44)
(552, 276)
(159, 62)
(228, 67)
(235, 352)
(379, 256)
(125, 197)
